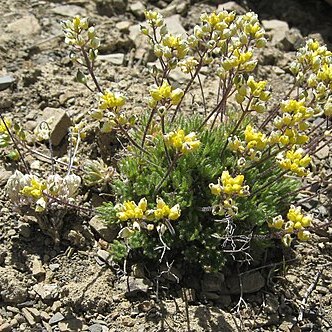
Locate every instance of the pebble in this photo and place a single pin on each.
(58, 121)
(6, 82)
(47, 291)
(26, 26)
(96, 328)
(5, 327)
(38, 270)
(69, 10)
(29, 317)
(56, 318)
(115, 59)
(138, 9)
(105, 231)
(230, 6)
(123, 26)
(277, 29)
(174, 25)
(53, 267)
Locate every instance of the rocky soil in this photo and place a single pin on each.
(74, 286)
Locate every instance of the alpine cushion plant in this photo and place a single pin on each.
(205, 186)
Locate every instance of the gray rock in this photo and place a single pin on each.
(56, 318)
(96, 328)
(47, 291)
(231, 6)
(37, 269)
(212, 282)
(251, 283)
(277, 30)
(69, 10)
(111, 7)
(103, 255)
(6, 82)
(29, 317)
(115, 59)
(54, 267)
(4, 176)
(174, 25)
(292, 41)
(137, 8)
(58, 121)
(24, 230)
(105, 231)
(71, 325)
(134, 286)
(25, 26)
(5, 327)
(123, 26)
(324, 151)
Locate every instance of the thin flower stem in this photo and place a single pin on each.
(90, 69)
(168, 172)
(164, 133)
(244, 113)
(130, 139)
(202, 93)
(147, 127)
(15, 144)
(199, 66)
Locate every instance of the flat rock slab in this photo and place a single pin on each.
(69, 10)
(6, 82)
(25, 26)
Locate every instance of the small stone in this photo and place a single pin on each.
(56, 306)
(69, 10)
(138, 9)
(115, 59)
(25, 26)
(70, 325)
(174, 25)
(58, 121)
(29, 317)
(231, 6)
(54, 267)
(5, 327)
(251, 283)
(212, 282)
(38, 270)
(145, 306)
(324, 151)
(56, 318)
(277, 30)
(45, 316)
(24, 230)
(292, 40)
(103, 255)
(105, 231)
(96, 328)
(47, 291)
(4, 176)
(134, 286)
(127, 321)
(6, 82)
(123, 26)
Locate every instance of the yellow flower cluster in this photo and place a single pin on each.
(140, 214)
(165, 94)
(254, 143)
(154, 18)
(313, 67)
(108, 113)
(294, 161)
(228, 187)
(291, 126)
(296, 222)
(181, 142)
(78, 33)
(111, 100)
(171, 47)
(255, 92)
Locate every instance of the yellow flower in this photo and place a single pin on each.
(303, 235)
(111, 100)
(175, 212)
(182, 142)
(35, 190)
(215, 189)
(3, 129)
(277, 222)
